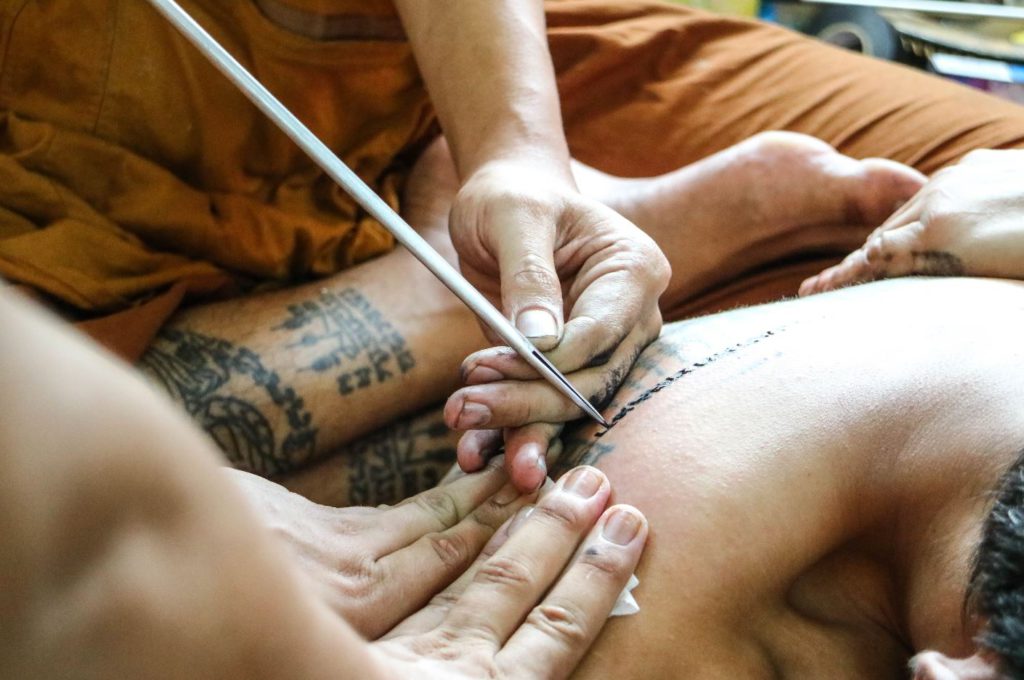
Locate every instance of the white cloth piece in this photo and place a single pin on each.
(626, 605)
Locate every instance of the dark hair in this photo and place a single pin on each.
(996, 589)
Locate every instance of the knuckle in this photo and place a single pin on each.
(359, 580)
(439, 504)
(504, 571)
(492, 513)
(451, 549)
(444, 600)
(448, 643)
(602, 561)
(533, 271)
(518, 406)
(558, 512)
(563, 621)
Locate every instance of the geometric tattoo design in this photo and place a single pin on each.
(399, 461)
(350, 334)
(194, 367)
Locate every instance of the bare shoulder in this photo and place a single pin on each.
(738, 436)
(888, 331)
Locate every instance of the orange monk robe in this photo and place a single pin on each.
(129, 168)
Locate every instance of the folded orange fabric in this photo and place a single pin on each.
(128, 165)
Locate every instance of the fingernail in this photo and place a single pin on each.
(622, 527)
(521, 516)
(473, 415)
(583, 482)
(531, 459)
(483, 374)
(537, 324)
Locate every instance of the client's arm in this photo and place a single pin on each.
(125, 552)
(282, 378)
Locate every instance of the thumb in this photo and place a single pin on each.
(531, 293)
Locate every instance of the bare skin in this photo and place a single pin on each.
(345, 389)
(965, 222)
(126, 554)
(732, 213)
(856, 439)
(293, 362)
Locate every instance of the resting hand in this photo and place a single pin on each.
(518, 612)
(375, 566)
(968, 220)
(580, 281)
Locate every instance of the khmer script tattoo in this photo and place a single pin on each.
(400, 460)
(350, 336)
(195, 369)
(338, 333)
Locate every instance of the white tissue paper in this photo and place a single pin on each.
(626, 604)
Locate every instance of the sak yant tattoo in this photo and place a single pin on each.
(579, 452)
(582, 451)
(347, 334)
(195, 369)
(399, 461)
(629, 406)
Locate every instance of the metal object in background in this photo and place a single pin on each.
(370, 201)
(941, 7)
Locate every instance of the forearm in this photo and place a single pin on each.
(489, 73)
(395, 462)
(126, 553)
(280, 379)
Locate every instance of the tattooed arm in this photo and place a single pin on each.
(398, 461)
(279, 379)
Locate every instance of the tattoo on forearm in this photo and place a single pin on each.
(350, 336)
(194, 368)
(400, 460)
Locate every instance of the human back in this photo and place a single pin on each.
(777, 449)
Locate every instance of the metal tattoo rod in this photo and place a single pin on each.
(364, 195)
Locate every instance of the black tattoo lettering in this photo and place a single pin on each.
(194, 368)
(351, 336)
(399, 461)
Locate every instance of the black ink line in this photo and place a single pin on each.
(686, 370)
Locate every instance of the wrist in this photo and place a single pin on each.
(539, 166)
(516, 142)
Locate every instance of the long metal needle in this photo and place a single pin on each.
(371, 202)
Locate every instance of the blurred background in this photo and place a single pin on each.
(980, 44)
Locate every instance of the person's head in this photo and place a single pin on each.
(995, 593)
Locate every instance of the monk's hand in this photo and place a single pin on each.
(577, 278)
(968, 220)
(375, 566)
(534, 601)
